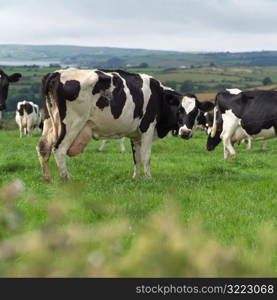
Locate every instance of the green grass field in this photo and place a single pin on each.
(228, 205)
(203, 80)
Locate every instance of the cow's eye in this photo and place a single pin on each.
(181, 110)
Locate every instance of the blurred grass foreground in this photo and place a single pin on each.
(160, 246)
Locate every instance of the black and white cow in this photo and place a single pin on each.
(107, 104)
(205, 120)
(5, 80)
(121, 145)
(248, 115)
(27, 117)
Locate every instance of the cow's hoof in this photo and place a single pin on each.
(64, 179)
(47, 179)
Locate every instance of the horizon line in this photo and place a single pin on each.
(145, 49)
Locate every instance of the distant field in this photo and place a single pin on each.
(204, 82)
(233, 201)
(122, 57)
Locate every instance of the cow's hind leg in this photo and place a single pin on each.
(21, 131)
(146, 144)
(136, 149)
(230, 124)
(60, 157)
(73, 143)
(249, 144)
(44, 148)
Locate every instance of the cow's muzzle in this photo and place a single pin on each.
(185, 133)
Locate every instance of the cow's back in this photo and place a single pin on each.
(113, 101)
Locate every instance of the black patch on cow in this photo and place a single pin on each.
(21, 110)
(36, 110)
(28, 108)
(201, 119)
(169, 112)
(44, 92)
(118, 97)
(133, 151)
(134, 83)
(153, 105)
(71, 89)
(102, 102)
(103, 83)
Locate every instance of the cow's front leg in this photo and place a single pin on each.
(249, 145)
(102, 146)
(229, 151)
(264, 146)
(60, 157)
(136, 149)
(21, 131)
(122, 146)
(146, 144)
(30, 130)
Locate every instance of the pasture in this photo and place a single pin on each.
(205, 81)
(198, 216)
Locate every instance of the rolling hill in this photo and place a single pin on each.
(122, 57)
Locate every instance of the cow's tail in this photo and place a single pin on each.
(55, 131)
(49, 94)
(214, 128)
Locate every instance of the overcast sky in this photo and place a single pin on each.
(184, 25)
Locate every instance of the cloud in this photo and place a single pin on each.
(185, 25)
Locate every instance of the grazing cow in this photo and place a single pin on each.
(27, 117)
(205, 120)
(4, 86)
(248, 115)
(121, 145)
(85, 104)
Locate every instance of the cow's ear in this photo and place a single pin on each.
(103, 83)
(205, 106)
(14, 77)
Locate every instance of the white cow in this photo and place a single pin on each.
(28, 117)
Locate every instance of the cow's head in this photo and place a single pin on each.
(4, 86)
(205, 120)
(189, 110)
